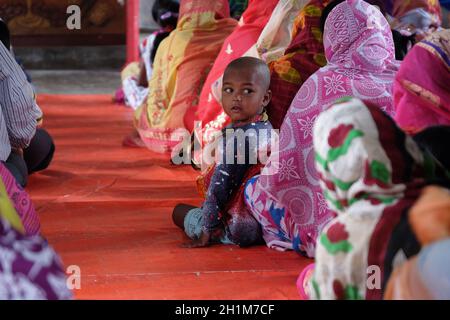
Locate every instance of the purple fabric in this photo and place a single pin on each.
(29, 268)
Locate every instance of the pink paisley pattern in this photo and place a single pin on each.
(360, 52)
(22, 203)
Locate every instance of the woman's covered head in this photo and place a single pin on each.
(357, 33)
(381, 5)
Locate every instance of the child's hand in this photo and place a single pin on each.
(202, 242)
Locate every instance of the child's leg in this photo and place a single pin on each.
(179, 214)
(245, 231)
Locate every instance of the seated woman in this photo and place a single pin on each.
(136, 75)
(181, 65)
(421, 95)
(371, 174)
(289, 203)
(223, 217)
(29, 268)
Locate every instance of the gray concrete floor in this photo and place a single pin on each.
(75, 81)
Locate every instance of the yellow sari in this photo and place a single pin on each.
(7, 211)
(181, 65)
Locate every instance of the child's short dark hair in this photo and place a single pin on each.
(245, 62)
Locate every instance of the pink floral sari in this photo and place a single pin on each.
(360, 52)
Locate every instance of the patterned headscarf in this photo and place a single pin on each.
(371, 173)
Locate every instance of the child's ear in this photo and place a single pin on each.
(267, 98)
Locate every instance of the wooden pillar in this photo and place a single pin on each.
(132, 12)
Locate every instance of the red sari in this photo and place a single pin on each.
(304, 56)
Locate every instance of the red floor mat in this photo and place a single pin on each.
(106, 209)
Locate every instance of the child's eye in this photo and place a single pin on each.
(247, 91)
(227, 90)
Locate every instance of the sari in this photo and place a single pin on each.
(303, 57)
(269, 44)
(134, 94)
(181, 65)
(371, 174)
(21, 202)
(360, 52)
(421, 95)
(29, 267)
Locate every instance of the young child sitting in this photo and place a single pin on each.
(245, 94)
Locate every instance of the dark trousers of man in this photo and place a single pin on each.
(35, 158)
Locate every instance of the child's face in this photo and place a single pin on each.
(243, 95)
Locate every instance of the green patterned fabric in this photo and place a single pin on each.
(370, 174)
